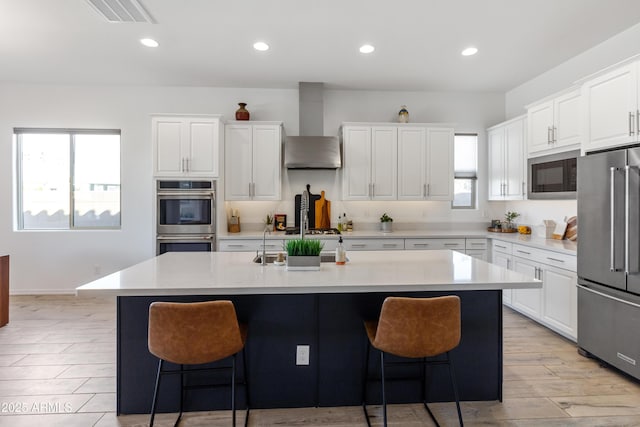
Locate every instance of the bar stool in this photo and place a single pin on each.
(194, 334)
(414, 328)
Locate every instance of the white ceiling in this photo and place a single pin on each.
(209, 43)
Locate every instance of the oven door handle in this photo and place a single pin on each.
(186, 194)
(183, 237)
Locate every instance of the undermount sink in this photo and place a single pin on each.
(270, 257)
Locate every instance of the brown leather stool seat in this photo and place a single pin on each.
(414, 328)
(194, 334)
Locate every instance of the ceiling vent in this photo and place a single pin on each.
(122, 11)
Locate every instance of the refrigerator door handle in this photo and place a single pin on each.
(612, 242)
(627, 220)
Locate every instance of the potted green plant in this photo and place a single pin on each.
(385, 223)
(508, 220)
(303, 254)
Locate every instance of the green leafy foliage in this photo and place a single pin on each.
(510, 216)
(304, 247)
(386, 218)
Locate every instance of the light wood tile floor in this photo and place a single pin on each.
(57, 368)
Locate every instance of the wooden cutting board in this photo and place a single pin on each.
(323, 212)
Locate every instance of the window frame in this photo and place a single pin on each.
(473, 176)
(71, 133)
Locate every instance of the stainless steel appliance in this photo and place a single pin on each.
(186, 216)
(609, 257)
(553, 176)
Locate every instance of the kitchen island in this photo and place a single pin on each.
(323, 309)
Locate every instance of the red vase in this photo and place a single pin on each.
(242, 113)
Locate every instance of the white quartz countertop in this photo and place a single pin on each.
(234, 273)
(564, 246)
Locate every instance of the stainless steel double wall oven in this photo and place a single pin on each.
(186, 216)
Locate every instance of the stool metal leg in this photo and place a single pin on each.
(365, 377)
(181, 395)
(384, 396)
(455, 388)
(246, 386)
(233, 390)
(155, 393)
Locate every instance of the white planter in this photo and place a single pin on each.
(302, 263)
(386, 227)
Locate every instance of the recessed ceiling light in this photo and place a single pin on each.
(261, 46)
(149, 42)
(367, 48)
(469, 51)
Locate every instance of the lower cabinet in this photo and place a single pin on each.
(555, 304)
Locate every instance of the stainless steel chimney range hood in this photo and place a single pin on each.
(310, 150)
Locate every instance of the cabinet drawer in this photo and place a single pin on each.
(476, 244)
(556, 259)
(374, 244)
(502, 247)
(453, 244)
(249, 245)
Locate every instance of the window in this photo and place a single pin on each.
(68, 171)
(465, 171)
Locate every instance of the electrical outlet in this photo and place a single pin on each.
(302, 355)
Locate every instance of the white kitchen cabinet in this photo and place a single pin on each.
(373, 244)
(527, 301)
(425, 163)
(250, 245)
(554, 125)
(435, 243)
(611, 115)
(253, 161)
(370, 163)
(507, 170)
(477, 254)
(185, 146)
(560, 300)
(501, 256)
(476, 248)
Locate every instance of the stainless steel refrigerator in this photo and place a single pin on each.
(609, 257)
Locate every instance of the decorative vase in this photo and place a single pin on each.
(403, 115)
(303, 263)
(242, 113)
(386, 226)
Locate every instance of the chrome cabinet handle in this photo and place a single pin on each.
(523, 252)
(358, 245)
(631, 127)
(524, 190)
(389, 245)
(369, 195)
(186, 162)
(501, 247)
(452, 244)
(182, 166)
(612, 212)
(555, 259)
(373, 190)
(422, 245)
(424, 190)
(477, 244)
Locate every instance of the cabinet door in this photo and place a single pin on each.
(412, 164)
(496, 163)
(439, 164)
(540, 124)
(514, 161)
(168, 140)
(238, 162)
(356, 173)
(202, 151)
(560, 299)
(610, 103)
(478, 254)
(567, 117)
(267, 150)
(529, 301)
(504, 261)
(384, 163)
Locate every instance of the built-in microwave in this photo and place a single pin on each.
(554, 176)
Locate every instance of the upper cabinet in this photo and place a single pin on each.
(186, 146)
(425, 163)
(554, 125)
(370, 163)
(253, 152)
(612, 115)
(507, 161)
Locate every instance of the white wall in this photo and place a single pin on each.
(611, 51)
(53, 261)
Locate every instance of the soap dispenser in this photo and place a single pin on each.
(341, 254)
